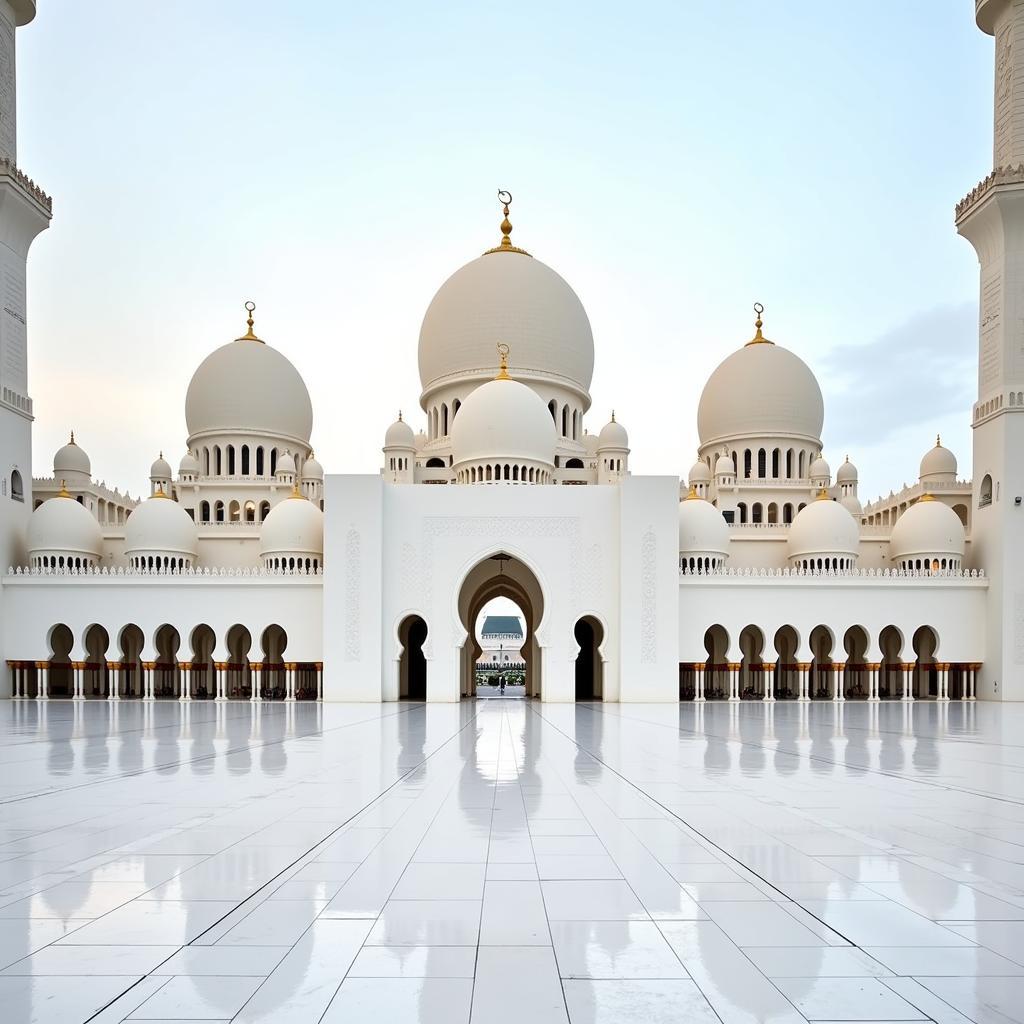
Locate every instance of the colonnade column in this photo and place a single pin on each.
(734, 681)
(837, 681)
(221, 670)
(43, 685)
(698, 671)
(289, 681)
(78, 680)
(970, 680)
(185, 668)
(113, 680)
(319, 680)
(873, 668)
(256, 681)
(803, 669)
(908, 680)
(15, 668)
(768, 668)
(943, 687)
(148, 680)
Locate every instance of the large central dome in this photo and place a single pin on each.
(506, 296)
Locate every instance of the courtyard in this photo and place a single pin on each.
(508, 860)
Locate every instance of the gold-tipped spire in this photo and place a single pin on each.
(693, 495)
(399, 420)
(159, 492)
(72, 441)
(613, 415)
(64, 492)
(295, 491)
(503, 362)
(505, 198)
(823, 495)
(927, 497)
(250, 308)
(759, 338)
(938, 440)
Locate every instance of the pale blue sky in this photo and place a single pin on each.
(335, 162)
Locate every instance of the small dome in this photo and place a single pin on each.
(247, 387)
(762, 390)
(928, 529)
(294, 526)
(399, 435)
(590, 443)
(824, 528)
(852, 505)
(724, 466)
(285, 463)
(160, 526)
(820, 469)
(513, 298)
(847, 473)
(189, 465)
(613, 435)
(311, 469)
(702, 530)
(71, 459)
(700, 474)
(64, 526)
(938, 465)
(503, 420)
(161, 469)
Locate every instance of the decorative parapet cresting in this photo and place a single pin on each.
(9, 168)
(763, 572)
(120, 572)
(1000, 176)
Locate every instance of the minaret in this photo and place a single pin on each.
(991, 218)
(24, 211)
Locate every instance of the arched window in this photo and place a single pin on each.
(773, 513)
(273, 461)
(762, 467)
(801, 467)
(245, 460)
(775, 463)
(250, 512)
(787, 513)
(742, 509)
(553, 409)
(231, 460)
(259, 461)
(574, 424)
(574, 464)
(456, 406)
(756, 513)
(234, 512)
(217, 461)
(565, 421)
(789, 464)
(204, 511)
(435, 463)
(746, 464)
(444, 419)
(985, 494)
(218, 511)
(17, 490)
(206, 462)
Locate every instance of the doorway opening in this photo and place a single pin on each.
(412, 664)
(501, 576)
(589, 664)
(500, 668)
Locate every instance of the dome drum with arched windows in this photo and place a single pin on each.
(63, 534)
(824, 537)
(929, 537)
(703, 535)
(292, 536)
(160, 536)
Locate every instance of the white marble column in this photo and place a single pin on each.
(768, 668)
(289, 681)
(802, 675)
(970, 678)
(908, 681)
(255, 682)
(319, 680)
(148, 682)
(734, 682)
(221, 670)
(838, 682)
(78, 680)
(185, 671)
(113, 680)
(873, 682)
(43, 674)
(698, 671)
(15, 668)
(942, 671)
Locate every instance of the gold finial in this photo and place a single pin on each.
(938, 440)
(823, 494)
(295, 490)
(250, 308)
(72, 441)
(161, 453)
(926, 497)
(159, 492)
(503, 362)
(692, 495)
(759, 338)
(399, 418)
(64, 492)
(505, 198)
(613, 415)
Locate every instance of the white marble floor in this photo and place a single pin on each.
(507, 861)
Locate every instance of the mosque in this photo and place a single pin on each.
(248, 573)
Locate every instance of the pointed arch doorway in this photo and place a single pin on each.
(412, 665)
(589, 634)
(501, 575)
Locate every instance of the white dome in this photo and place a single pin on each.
(294, 526)
(512, 298)
(700, 474)
(724, 466)
(71, 459)
(702, 530)
(825, 528)
(285, 463)
(847, 473)
(189, 465)
(928, 529)
(613, 435)
(311, 469)
(852, 505)
(938, 464)
(161, 469)
(820, 469)
(503, 420)
(399, 435)
(763, 390)
(247, 387)
(160, 526)
(62, 525)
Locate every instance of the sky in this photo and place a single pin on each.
(336, 162)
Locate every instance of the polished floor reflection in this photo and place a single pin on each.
(503, 860)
